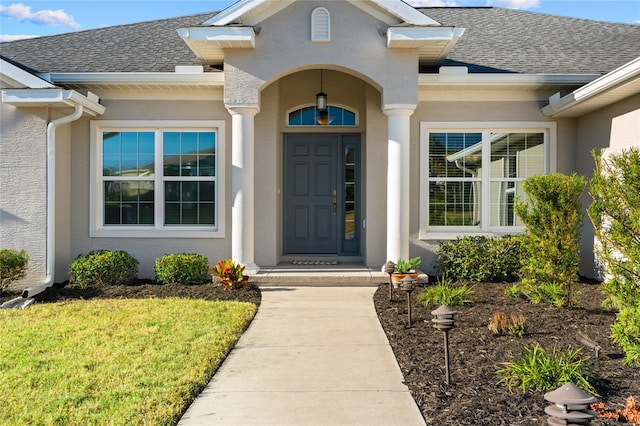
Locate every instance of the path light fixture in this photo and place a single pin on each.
(584, 340)
(407, 284)
(570, 406)
(443, 320)
(389, 268)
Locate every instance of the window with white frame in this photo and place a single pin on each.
(157, 179)
(472, 174)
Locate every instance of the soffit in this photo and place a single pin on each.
(139, 81)
(602, 100)
(615, 86)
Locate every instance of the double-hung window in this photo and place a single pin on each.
(159, 179)
(472, 174)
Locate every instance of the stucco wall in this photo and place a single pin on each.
(284, 44)
(23, 187)
(616, 127)
(146, 250)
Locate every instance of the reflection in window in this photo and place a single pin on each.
(514, 157)
(186, 195)
(454, 181)
(459, 174)
(309, 116)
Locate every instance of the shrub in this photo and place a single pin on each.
(517, 326)
(182, 269)
(103, 268)
(615, 213)
(625, 331)
(553, 218)
(545, 371)
(231, 274)
(551, 293)
(446, 293)
(513, 290)
(13, 266)
(480, 258)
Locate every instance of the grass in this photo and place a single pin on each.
(545, 371)
(447, 293)
(116, 362)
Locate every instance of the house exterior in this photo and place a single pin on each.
(205, 133)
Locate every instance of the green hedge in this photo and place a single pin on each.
(182, 269)
(480, 258)
(101, 268)
(13, 266)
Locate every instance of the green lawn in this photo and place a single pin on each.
(116, 362)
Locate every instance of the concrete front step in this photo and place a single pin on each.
(318, 275)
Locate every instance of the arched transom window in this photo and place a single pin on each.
(333, 116)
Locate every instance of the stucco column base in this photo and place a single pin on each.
(398, 167)
(243, 185)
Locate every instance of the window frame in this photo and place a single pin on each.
(316, 126)
(158, 229)
(426, 232)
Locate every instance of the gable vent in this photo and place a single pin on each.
(320, 25)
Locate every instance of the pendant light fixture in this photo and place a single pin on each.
(321, 98)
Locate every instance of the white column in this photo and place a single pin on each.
(243, 186)
(398, 160)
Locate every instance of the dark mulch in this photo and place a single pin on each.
(474, 397)
(147, 289)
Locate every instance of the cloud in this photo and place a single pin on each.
(50, 18)
(14, 37)
(432, 3)
(514, 4)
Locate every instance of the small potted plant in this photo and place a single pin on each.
(404, 268)
(230, 274)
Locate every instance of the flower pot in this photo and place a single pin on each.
(396, 277)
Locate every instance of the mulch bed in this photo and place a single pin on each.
(474, 397)
(145, 289)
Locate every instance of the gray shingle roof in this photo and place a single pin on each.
(152, 46)
(496, 40)
(506, 40)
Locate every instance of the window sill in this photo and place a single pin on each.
(122, 232)
(452, 235)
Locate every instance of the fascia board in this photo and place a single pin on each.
(503, 79)
(621, 75)
(123, 78)
(400, 36)
(221, 36)
(241, 10)
(19, 77)
(237, 12)
(51, 97)
(404, 12)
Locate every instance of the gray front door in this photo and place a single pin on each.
(321, 194)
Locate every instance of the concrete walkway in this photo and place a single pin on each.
(312, 356)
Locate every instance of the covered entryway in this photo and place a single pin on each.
(322, 194)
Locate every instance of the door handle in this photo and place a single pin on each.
(335, 203)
